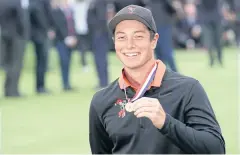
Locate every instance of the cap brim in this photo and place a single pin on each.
(117, 19)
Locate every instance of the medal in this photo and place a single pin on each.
(140, 92)
(129, 107)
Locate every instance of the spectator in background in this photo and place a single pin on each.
(39, 37)
(210, 17)
(12, 45)
(236, 11)
(188, 28)
(80, 9)
(97, 19)
(228, 36)
(234, 15)
(163, 13)
(46, 5)
(65, 38)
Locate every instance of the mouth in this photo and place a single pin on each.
(131, 54)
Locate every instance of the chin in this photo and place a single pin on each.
(132, 65)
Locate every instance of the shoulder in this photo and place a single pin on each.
(178, 79)
(182, 84)
(185, 87)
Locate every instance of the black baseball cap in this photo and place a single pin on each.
(133, 12)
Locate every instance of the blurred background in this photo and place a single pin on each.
(55, 54)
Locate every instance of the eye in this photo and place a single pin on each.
(139, 37)
(120, 38)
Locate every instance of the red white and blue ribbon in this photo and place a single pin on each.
(145, 85)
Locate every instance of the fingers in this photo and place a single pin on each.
(144, 102)
(150, 104)
(144, 114)
(144, 109)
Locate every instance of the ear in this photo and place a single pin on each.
(113, 39)
(154, 41)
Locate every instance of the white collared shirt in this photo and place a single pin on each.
(25, 4)
(80, 16)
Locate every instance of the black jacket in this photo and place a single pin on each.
(163, 11)
(210, 11)
(60, 25)
(190, 126)
(97, 16)
(38, 21)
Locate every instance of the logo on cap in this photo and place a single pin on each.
(131, 9)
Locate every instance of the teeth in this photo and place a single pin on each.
(131, 54)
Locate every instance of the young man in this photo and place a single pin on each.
(150, 109)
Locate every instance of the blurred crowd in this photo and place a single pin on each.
(81, 25)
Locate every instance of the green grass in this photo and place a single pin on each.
(59, 123)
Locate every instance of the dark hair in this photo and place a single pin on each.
(152, 34)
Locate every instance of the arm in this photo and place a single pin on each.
(48, 13)
(201, 133)
(100, 142)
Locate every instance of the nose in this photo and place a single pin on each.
(130, 43)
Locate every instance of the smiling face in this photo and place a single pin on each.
(133, 44)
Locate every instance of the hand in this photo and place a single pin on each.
(150, 108)
(196, 31)
(51, 34)
(71, 41)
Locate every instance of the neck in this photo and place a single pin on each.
(136, 76)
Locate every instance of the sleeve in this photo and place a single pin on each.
(58, 25)
(100, 142)
(200, 133)
(48, 13)
(38, 16)
(20, 20)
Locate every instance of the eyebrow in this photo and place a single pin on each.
(119, 32)
(140, 31)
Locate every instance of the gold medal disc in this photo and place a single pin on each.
(129, 107)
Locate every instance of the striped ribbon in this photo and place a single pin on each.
(146, 84)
